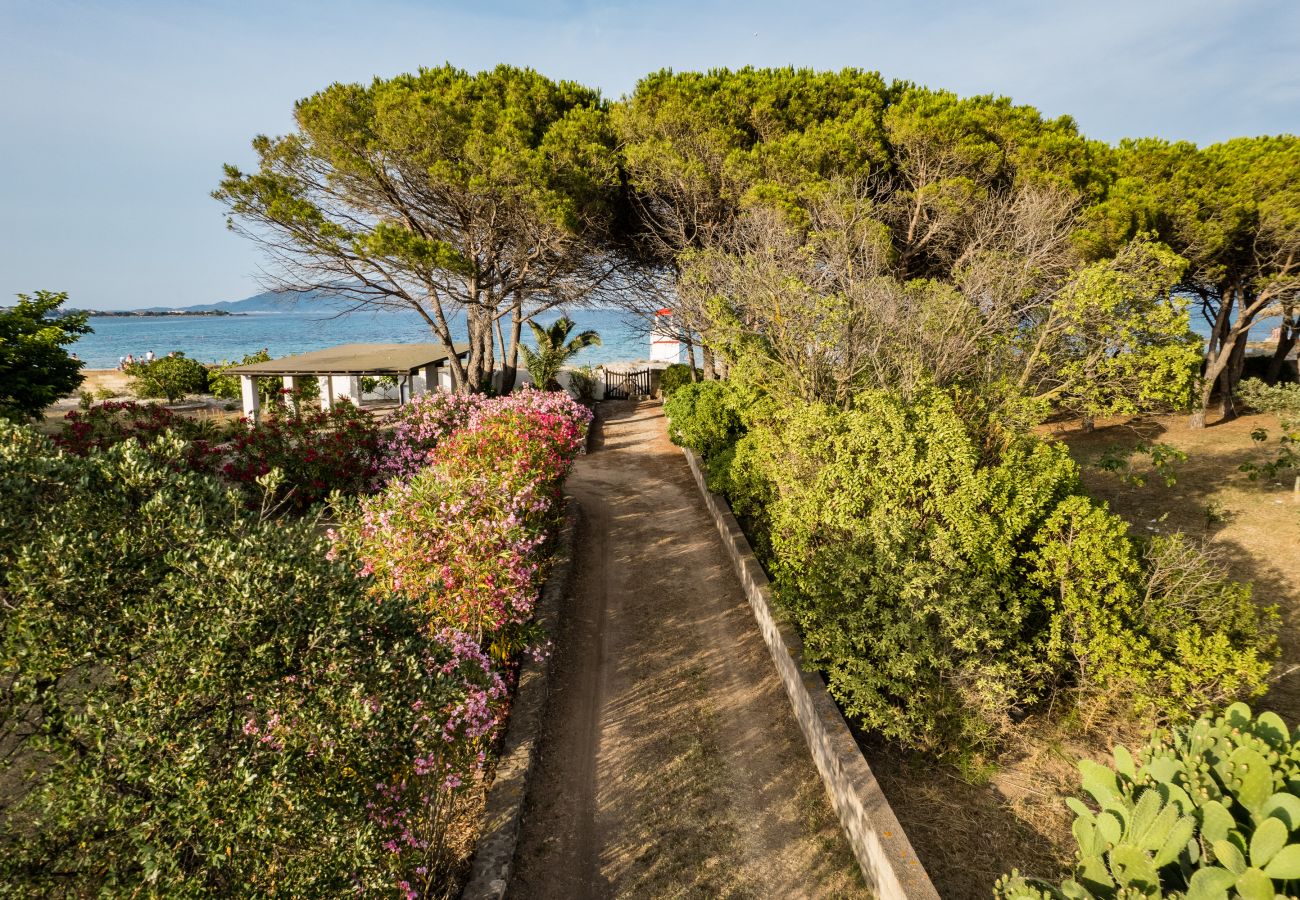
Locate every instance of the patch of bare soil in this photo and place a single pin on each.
(671, 764)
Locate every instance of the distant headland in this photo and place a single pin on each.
(135, 313)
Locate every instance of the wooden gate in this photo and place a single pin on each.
(627, 385)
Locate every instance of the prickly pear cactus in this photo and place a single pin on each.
(1210, 811)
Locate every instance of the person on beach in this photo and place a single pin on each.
(130, 361)
(148, 357)
(121, 362)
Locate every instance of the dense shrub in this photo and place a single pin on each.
(947, 577)
(105, 425)
(463, 536)
(317, 451)
(582, 383)
(704, 417)
(419, 426)
(1201, 811)
(676, 376)
(172, 377)
(197, 702)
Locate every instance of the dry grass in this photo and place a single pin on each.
(968, 834)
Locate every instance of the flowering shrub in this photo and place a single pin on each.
(318, 452)
(111, 423)
(463, 536)
(198, 702)
(418, 427)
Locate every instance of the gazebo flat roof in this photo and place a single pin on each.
(354, 359)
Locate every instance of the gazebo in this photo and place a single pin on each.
(338, 370)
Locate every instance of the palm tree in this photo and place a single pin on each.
(552, 352)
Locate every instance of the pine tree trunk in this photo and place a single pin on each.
(1286, 342)
(690, 358)
(510, 360)
(1232, 377)
(710, 374)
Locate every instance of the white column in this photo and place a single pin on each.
(252, 402)
(347, 386)
(326, 391)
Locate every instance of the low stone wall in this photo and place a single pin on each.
(882, 849)
(503, 813)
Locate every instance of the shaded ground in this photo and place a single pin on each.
(671, 765)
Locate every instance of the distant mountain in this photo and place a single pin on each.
(269, 302)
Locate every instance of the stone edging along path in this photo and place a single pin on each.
(882, 849)
(503, 811)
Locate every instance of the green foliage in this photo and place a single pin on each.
(227, 387)
(676, 376)
(946, 574)
(1161, 629)
(582, 383)
(1283, 400)
(370, 383)
(553, 352)
(1165, 459)
(35, 369)
(172, 377)
(196, 701)
(1206, 811)
(1127, 342)
(704, 417)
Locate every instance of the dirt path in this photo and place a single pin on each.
(671, 765)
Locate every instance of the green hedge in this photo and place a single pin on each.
(198, 702)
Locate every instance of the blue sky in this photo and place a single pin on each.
(115, 117)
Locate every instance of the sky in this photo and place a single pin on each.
(116, 117)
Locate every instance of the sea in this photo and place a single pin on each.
(216, 339)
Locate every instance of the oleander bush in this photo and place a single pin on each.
(316, 451)
(197, 701)
(1204, 811)
(464, 536)
(104, 425)
(419, 426)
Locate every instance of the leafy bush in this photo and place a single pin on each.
(463, 536)
(198, 702)
(35, 369)
(676, 376)
(704, 417)
(582, 383)
(317, 451)
(108, 424)
(172, 377)
(1202, 810)
(1283, 400)
(419, 426)
(947, 577)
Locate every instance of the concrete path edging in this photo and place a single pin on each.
(883, 851)
(503, 812)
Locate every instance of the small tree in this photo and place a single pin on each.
(172, 377)
(552, 352)
(35, 369)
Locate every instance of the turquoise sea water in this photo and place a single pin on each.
(217, 338)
